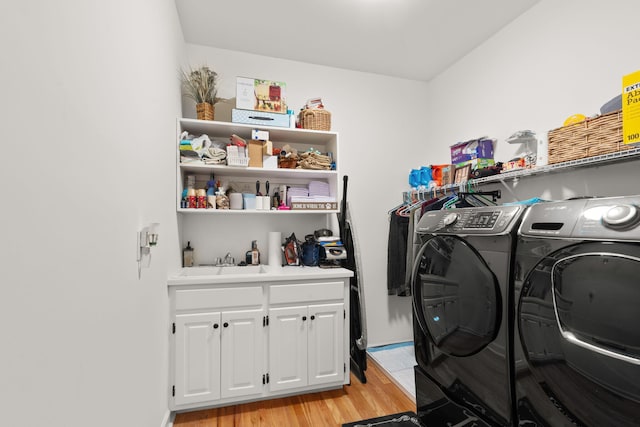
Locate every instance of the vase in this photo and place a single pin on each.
(204, 111)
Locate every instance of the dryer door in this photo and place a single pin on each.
(456, 297)
(578, 315)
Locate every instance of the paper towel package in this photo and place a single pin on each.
(274, 252)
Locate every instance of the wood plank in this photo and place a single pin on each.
(379, 396)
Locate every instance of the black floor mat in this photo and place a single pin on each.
(403, 419)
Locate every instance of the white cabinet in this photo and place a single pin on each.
(241, 342)
(307, 334)
(218, 343)
(197, 374)
(306, 345)
(288, 347)
(242, 349)
(299, 139)
(326, 360)
(218, 355)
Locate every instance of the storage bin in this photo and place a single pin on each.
(589, 138)
(315, 119)
(259, 118)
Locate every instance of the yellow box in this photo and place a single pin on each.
(631, 108)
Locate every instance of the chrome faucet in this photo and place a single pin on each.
(228, 259)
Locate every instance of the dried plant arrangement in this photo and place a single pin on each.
(201, 85)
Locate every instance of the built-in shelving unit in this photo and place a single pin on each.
(299, 139)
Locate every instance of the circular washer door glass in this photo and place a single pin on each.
(456, 296)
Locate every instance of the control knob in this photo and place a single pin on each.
(621, 216)
(450, 219)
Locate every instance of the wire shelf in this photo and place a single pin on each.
(621, 156)
(589, 161)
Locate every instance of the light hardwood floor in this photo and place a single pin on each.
(379, 396)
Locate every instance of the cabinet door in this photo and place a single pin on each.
(326, 345)
(197, 367)
(288, 347)
(242, 353)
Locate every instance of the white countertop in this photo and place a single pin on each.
(210, 275)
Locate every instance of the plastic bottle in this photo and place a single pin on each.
(255, 253)
(292, 119)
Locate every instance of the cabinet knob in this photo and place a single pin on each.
(304, 318)
(225, 324)
(215, 326)
(313, 317)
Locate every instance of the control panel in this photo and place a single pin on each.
(481, 220)
(610, 218)
(598, 218)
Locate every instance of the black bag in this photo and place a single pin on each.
(291, 249)
(310, 251)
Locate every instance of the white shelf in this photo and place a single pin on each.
(235, 171)
(620, 156)
(255, 212)
(225, 129)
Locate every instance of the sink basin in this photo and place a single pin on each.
(200, 271)
(222, 271)
(247, 269)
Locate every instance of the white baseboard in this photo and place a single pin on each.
(168, 419)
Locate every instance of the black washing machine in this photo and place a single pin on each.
(577, 290)
(462, 290)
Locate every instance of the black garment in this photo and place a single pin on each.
(397, 253)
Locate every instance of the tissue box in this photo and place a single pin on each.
(260, 134)
(261, 95)
(470, 150)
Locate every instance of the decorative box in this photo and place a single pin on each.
(260, 118)
(469, 150)
(261, 95)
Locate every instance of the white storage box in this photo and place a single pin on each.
(260, 118)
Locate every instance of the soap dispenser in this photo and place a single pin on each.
(187, 256)
(255, 253)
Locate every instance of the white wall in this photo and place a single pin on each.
(90, 97)
(377, 118)
(558, 59)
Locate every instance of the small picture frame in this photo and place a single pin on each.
(461, 174)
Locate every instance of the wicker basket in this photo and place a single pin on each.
(287, 163)
(315, 119)
(592, 137)
(204, 111)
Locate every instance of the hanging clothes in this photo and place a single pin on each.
(396, 252)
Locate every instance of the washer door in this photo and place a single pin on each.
(456, 298)
(578, 316)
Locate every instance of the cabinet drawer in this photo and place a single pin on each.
(283, 294)
(193, 299)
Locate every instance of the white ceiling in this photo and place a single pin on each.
(412, 39)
